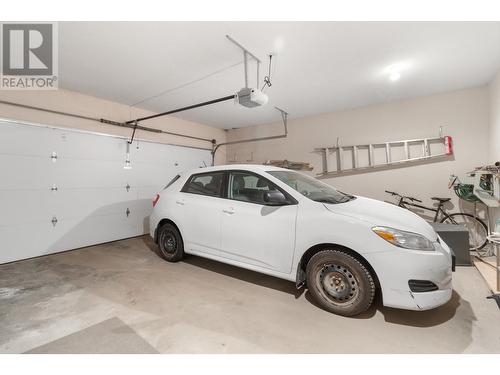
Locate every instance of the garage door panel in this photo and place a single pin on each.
(25, 206)
(42, 238)
(74, 173)
(45, 204)
(85, 231)
(154, 175)
(96, 200)
(78, 145)
(25, 241)
(37, 141)
(34, 172)
(157, 153)
(151, 175)
(25, 172)
(142, 152)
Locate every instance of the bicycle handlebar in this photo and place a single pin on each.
(414, 199)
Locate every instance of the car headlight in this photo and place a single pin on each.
(406, 240)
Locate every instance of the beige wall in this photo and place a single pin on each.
(463, 114)
(494, 134)
(68, 101)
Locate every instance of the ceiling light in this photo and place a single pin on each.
(394, 71)
(395, 76)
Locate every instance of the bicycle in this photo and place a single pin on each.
(478, 231)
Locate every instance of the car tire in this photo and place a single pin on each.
(340, 283)
(170, 244)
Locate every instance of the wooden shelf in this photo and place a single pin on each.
(487, 269)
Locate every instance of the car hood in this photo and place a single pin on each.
(380, 213)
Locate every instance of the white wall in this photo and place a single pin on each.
(463, 114)
(73, 102)
(494, 134)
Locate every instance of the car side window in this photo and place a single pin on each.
(248, 187)
(205, 184)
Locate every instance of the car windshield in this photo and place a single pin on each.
(311, 188)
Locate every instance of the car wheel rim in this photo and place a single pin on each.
(337, 284)
(169, 242)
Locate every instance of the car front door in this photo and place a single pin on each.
(200, 205)
(253, 232)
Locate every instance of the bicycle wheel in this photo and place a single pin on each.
(478, 231)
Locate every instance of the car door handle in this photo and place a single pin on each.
(228, 211)
(180, 202)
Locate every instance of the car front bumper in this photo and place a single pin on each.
(396, 267)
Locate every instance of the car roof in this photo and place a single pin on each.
(245, 167)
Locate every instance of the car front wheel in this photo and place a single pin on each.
(340, 283)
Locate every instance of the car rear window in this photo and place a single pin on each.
(205, 184)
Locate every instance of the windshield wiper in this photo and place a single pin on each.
(346, 198)
(327, 200)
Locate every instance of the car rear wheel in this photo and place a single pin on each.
(170, 243)
(340, 283)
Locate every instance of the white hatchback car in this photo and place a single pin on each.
(292, 226)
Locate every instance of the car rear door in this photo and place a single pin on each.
(200, 205)
(252, 232)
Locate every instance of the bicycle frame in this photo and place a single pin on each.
(403, 203)
(442, 216)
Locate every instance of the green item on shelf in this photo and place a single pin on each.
(466, 192)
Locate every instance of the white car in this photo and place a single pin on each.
(343, 248)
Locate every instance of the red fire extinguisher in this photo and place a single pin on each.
(448, 145)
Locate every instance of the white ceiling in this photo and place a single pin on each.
(320, 67)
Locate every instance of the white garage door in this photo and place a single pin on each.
(61, 189)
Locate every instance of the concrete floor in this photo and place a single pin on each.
(121, 297)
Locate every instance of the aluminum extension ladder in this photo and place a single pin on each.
(336, 158)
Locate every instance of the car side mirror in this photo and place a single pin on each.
(275, 198)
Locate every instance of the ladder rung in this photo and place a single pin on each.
(354, 156)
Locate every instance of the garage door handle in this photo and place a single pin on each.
(229, 211)
(181, 202)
